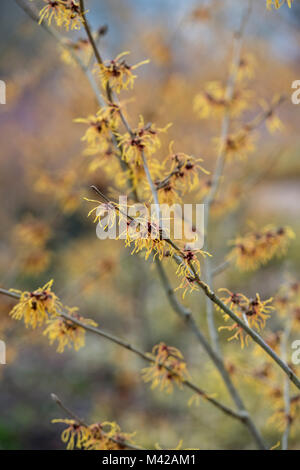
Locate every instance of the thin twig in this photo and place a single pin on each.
(68, 411)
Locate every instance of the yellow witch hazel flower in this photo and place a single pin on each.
(144, 139)
(141, 232)
(281, 419)
(31, 236)
(211, 101)
(255, 311)
(35, 307)
(118, 74)
(67, 333)
(148, 245)
(168, 369)
(145, 235)
(278, 3)
(110, 210)
(184, 271)
(188, 257)
(64, 12)
(34, 261)
(32, 231)
(75, 434)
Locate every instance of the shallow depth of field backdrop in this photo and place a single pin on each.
(45, 174)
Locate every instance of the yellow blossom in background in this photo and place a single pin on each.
(62, 187)
(35, 307)
(32, 231)
(98, 130)
(237, 146)
(31, 236)
(202, 13)
(258, 247)
(190, 257)
(212, 102)
(100, 126)
(118, 74)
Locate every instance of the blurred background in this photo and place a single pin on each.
(44, 177)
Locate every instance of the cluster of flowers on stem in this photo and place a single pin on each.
(254, 311)
(42, 307)
(167, 369)
(98, 436)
